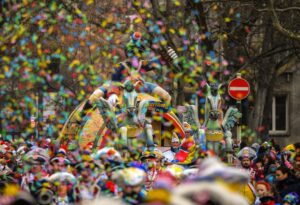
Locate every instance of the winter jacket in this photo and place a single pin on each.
(290, 184)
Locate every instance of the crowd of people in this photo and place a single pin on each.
(45, 172)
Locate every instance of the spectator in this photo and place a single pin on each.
(296, 166)
(286, 182)
(297, 148)
(259, 170)
(265, 194)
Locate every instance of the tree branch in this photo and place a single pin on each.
(277, 25)
(261, 56)
(280, 9)
(290, 62)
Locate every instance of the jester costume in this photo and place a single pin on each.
(133, 69)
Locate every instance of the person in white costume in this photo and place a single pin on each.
(169, 155)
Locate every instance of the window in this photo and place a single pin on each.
(279, 124)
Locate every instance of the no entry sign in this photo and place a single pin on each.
(239, 88)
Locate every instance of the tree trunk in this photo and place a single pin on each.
(257, 116)
(264, 77)
(267, 117)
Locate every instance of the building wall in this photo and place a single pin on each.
(295, 111)
(289, 83)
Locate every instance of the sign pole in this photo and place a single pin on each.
(239, 126)
(239, 89)
(239, 107)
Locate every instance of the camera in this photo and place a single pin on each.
(45, 196)
(44, 193)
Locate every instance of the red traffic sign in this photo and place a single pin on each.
(239, 88)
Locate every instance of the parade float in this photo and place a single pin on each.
(141, 116)
(130, 110)
(103, 125)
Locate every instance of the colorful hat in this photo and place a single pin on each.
(158, 153)
(291, 198)
(246, 152)
(60, 160)
(61, 152)
(109, 153)
(148, 154)
(37, 156)
(136, 36)
(187, 128)
(134, 45)
(62, 177)
(131, 176)
(255, 146)
(290, 147)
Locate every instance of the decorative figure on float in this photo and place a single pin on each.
(135, 117)
(217, 127)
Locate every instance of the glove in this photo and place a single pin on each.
(169, 55)
(172, 54)
(113, 100)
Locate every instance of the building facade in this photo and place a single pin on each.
(285, 125)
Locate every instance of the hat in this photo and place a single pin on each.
(266, 145)
(37, 156)
(174, 137)
(148, 154)
(131, 176)
(246, 152)
(187, 127)
(255, 146)
(134, 45)
(61, 152)
(63, 177)
(136, 36)
(158, 153)
(109, 154)
(290, 147)
(291, 198)
(60, 160)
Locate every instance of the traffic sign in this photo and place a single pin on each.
(238, 88)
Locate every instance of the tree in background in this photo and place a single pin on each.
(69, 47)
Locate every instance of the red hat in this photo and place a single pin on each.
(136, 36)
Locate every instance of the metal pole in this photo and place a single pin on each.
(239, 127)
(37, 117)
(239, 107)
